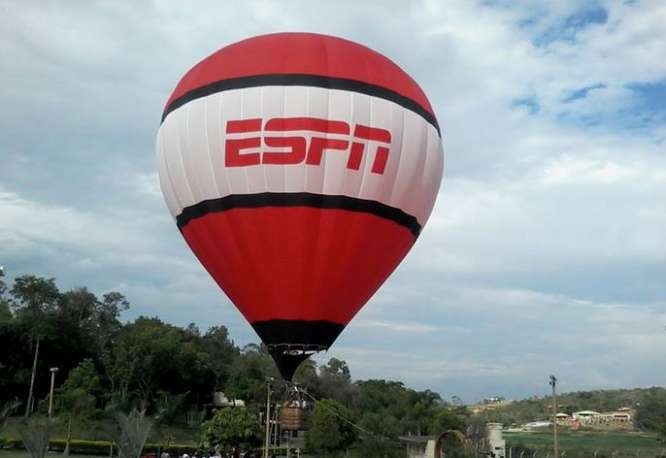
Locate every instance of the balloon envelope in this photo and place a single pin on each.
(300, 169)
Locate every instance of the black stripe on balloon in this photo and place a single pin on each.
(298, 199)
(290, 342)
(303, 80)
(297, 335)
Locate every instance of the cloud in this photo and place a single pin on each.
(546, 250)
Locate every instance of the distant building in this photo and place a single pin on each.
(221, 400)
(493, 400)
(621, 418)
(537, 425)
(586, 416)
(622, 415)
(491, 403)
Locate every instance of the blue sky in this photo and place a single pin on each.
(546, 252)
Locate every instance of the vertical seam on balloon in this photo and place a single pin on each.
(284, 115)
(182, 161)
(261, 113)
(242, 116)
(168, 177)
(420, 214)
(320, 214)
(192, 177)
(221, 140)
(400, 161)
(210, 157)
(328, 114)
(396, 136)
(426, 143)
(274, 242)
(306, 178)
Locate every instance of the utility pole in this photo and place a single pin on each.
(276, 425)
(553, 383)
(268, 417)
(53, 373)
(28, 406)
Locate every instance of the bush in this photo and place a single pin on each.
(83, 447)
(86, 447)
(10, 442)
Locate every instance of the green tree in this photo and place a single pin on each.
(222, 353)
(34, 301)
(5, 310)
(107, 319)
(445, 418)
(77, 397)
(307, 378)
(335, 381)
(232, 427)
(248, 376)
(651, 413)
(148, 356)
(330, 432)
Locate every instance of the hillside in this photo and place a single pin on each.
(649, 403)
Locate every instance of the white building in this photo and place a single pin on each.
(586, 416)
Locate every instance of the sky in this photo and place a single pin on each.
(546, 250)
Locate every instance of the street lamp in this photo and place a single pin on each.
(553, 383)
(268, 415)
(2, 271)
(53, 373)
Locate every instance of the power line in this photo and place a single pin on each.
(346, 420)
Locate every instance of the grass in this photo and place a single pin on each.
(96, 431)
(590, 441)
(24, 454)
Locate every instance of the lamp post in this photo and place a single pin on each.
(53, 373)
(553, 383)
(268, 417)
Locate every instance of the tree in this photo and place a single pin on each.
(222, 353)
(307, 378)
(335, 381)
(330, 432)
(149, 355)
(34, 299)
(107, 318)
(651, 413)
(77, 396)
(232, 427)
(6, 410)
(248, 376)
(5, 310)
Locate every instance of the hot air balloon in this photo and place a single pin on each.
(300, 169)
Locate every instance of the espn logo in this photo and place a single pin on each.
(276, 147)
